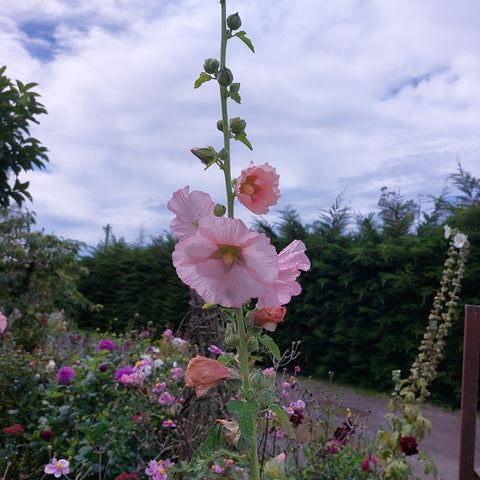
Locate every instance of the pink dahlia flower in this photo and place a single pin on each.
(203, 373)
(225, 262)
(291, 260)
(3, 322)
(257, 188)
(189, 208)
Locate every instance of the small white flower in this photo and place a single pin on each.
(459, 240)
(50, 365)
(448, 231)
(158, 363)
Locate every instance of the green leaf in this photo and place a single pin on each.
(204, 77)
(272, 347)
(243, 37)
(283, 417)
(242, 137)
(210, 448)
(233, 92)
(246, 412)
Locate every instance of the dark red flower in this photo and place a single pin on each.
(139, 418)
(296, 417)
(103, 368)
(46, 435)
(126, 476)
(408, 445)
(16, 429)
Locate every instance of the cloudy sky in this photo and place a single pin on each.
(341, 97)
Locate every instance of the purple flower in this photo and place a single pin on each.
(65, 375)
(166, 398)
(106, 345)
(123, 371)
(215, 349)
(169, 424)
(57, 468)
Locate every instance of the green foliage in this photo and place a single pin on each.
(19, 152)
(135, 286)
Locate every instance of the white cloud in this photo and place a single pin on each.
(344, 96)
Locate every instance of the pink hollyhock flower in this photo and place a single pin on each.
(203, 373)
(291, 260)
(189, 208)
(225, 262)
(58, 468)
(3, 322)
(268, 317)
(257, 188)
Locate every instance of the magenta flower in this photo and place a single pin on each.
(215, 349)
(177, 373)
(135, 378)
(46, 435)
(225, 262)
(369, 464)
(158, 471)
(65, 375)
(166, 398)
(57, 468)
(106, 345)
(291, 260)
(123, 371)
(169, 424)
(189, 208)
(257, 188)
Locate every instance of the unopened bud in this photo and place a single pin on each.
(220, 125)
(219, 210)
(234, 22)
(237, 125)
(210, 65)
(225, 77)
(207, 154)
(223, 154)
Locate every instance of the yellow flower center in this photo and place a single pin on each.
(229, 254)
(60, 465)
(161, 470)
(248, 187)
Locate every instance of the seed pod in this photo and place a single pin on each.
(225, 77)
(211, 65)
(234, 22)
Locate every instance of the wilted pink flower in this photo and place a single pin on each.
(65, 375)
(225, 262)
(291, 260)
(268, 317)
(204, 373)
(189, 208)
(334, 446)
(3, 322)
(257, 188)
(57, 468)
(106, 344)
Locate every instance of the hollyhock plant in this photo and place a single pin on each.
(65, 375)
(203, 373)
(57, 468)
(189, 208)
(291, 260)
(269, 317)
(225, 262)
(257, 188)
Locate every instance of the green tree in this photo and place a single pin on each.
(19, 152)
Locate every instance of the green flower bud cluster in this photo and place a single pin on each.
(237, 125)
(234, 22)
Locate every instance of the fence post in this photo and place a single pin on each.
(468, 416)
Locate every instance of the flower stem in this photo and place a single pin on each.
(244, 361)
(223, 102)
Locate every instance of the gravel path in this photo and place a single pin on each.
(442, 444)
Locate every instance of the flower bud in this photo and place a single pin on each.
(220, 125)
(207, 154)
(257, 379)
(223, 154)
(225, 77)
(219, 210)
(210, 65)
(234, 22)
(252, 344)
(237, 125)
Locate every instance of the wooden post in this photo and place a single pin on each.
(468, 416)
